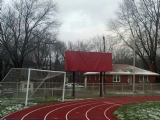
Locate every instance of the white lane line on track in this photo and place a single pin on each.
(63, 107)
(43, 107)
(113, 106)
(98, 106)
(107, 110)
(91, 109)
(79, 107)
(69, 102)
(49, 106)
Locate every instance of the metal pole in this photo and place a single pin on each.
(73, 93)
(93, 89)
(100, 84)
(134, 61)
(151, 88)
(104, 72)
(45, 84)
(17, 89)
(134, 70)
(27, 87)
(50, 62)
(104, 43)
(64, 86)
(122, 88)
(143, 86)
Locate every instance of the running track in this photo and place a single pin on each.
(90, 109)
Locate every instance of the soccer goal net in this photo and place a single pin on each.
(26, 84)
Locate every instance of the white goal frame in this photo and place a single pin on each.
(28, 81)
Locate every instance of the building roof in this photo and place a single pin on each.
(124, 69)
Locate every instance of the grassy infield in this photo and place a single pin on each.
(137, 111)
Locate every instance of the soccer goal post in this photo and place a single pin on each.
(29, 83)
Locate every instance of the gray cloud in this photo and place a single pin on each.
(84, 19)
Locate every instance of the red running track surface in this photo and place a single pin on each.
(90, 109)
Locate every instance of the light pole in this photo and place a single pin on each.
(104, 43)
(134, 47)
(104, 72)
(134, 67)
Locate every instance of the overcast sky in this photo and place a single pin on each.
(84, 19)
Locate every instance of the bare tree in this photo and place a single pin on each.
(122, 55)
(79, 46)
(97, 44)
(42, 53)
(59, 55)
(139, 20)
(22, 22)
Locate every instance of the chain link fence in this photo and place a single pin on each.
(92, 90)
(16, 92)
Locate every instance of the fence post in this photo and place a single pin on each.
(26, 102)
(100, 84)
(113, 87)
(122, 88)
(52, 91)
(77, 90)
(143, 87)
(92, 88)
(151, 88)
(51, 88)
(44, 90)
(17, 89)
(63, 94)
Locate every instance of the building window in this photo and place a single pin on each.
(143, 78)
(116, 78)
(89, 77)
(95, 77)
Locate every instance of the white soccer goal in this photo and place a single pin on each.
(28, 83)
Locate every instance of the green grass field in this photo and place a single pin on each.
(139, 111)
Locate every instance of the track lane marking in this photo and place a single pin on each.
(54, 104)
(107, 110)
(63, 107)
(98, 106)
(56, 108)
(92, 100)
(43, 108)
(90, 109)
(76, 108)
(136, 99)
(116, 105)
